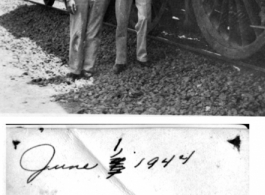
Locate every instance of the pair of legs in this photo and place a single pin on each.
(123, 9)
(85, 27)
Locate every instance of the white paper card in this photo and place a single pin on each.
(95, 160)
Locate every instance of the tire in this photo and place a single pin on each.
(49, 2)
(228, 26)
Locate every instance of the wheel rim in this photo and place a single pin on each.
(157, 10)
(231, 23)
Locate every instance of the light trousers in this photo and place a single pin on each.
(85, 27)
(123, 9)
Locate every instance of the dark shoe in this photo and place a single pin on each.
(118, 68)
(87, 74)
(144, 64)
(71, 77)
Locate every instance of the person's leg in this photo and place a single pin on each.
(93, 32)
(123, 9)
(78, 24)
(144, 17)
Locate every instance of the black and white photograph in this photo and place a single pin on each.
(132, 97)
(141, 57)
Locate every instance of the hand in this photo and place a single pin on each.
(70, 6)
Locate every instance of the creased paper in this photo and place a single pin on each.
(183, 160)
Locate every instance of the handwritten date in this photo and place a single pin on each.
(116, 164)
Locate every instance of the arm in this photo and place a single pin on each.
(70, 6)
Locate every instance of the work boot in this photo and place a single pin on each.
(118, 68)
(87, 74)
(144, 64)
(71, 77)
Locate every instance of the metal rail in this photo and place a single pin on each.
(200, 51)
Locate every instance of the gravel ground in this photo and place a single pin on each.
(178, 83)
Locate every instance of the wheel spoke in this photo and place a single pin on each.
(246, 33)
(223, 21)
(233, 24)
(214, 14)
(253, 10)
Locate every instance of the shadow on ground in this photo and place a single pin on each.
(48, 28)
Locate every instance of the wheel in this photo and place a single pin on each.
(158, 8)
(232, 27)
(49, 2)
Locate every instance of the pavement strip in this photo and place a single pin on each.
(17, 96)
